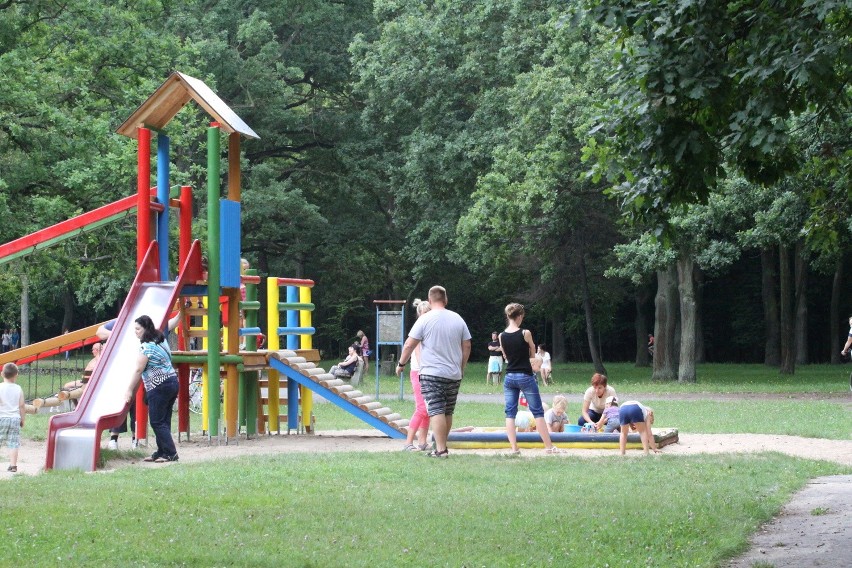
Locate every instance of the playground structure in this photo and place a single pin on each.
(73, 439)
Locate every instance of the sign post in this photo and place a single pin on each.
(390, 330)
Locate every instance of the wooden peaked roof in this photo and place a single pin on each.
(171, 96)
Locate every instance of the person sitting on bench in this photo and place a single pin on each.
(71, 390)
(346, 368)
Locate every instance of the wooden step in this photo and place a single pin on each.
(352, 394)
(340, 389)
(371, 405)
(361, 400)
(403, 423)
(332, 383)
(390, 417)
(264, 383)
(383, 411)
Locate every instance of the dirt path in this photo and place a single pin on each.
(31, 458)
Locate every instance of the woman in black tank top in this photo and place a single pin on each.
(518, 347)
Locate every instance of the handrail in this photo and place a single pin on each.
(53, 346)
(69, 228)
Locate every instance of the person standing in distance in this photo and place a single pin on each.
(445, 347)
(848, 344)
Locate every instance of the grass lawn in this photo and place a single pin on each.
(711, 378)
(401, 509)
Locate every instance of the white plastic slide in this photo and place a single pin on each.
(74, 438)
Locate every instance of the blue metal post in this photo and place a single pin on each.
(378, 348)
(292, 343)
(163, 198)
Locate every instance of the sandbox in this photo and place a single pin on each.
(495, 438)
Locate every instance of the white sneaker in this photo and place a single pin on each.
(113, 445)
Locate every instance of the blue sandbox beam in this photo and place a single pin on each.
(336, 399)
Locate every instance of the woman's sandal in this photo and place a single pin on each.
(409, 448)
(12, 468)
(436, 454)
(554, 450)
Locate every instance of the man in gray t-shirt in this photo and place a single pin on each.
(444, 349)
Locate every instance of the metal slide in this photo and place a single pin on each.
(74, 438)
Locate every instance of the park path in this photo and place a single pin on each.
(813, 529)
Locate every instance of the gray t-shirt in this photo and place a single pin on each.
(441, 333)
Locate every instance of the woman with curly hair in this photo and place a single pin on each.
(154, 368)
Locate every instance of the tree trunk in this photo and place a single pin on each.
(590, 325)
(67, 307)
(700, 354)
(557, 347)
(686, 289)
(641, 295)
(801, 321)
(25, 310)
(771, 349)
(788, 352)
(834, 313)
(665, 313)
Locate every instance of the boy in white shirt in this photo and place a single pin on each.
(11, 413)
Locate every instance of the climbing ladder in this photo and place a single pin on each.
(338, 392)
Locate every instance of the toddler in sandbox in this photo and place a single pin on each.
(556, 417)
(610, 422)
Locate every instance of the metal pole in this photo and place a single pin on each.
(213, 278)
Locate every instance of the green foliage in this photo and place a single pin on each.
(406, 144)
(698, 79)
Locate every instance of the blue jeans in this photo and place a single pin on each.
(161, 402)
(513, 385)
(595, 416)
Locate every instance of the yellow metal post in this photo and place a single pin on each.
(306, 342)
(274, 341)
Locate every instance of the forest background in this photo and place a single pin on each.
(622, 168)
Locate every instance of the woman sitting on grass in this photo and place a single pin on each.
(546, 368)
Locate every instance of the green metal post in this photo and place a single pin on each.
(249, 391)
(214, 320)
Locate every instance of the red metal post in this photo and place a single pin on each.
(143, 193)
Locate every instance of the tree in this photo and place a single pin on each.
(700, 83)
(72, 72)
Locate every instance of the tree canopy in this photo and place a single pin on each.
(566, 155)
